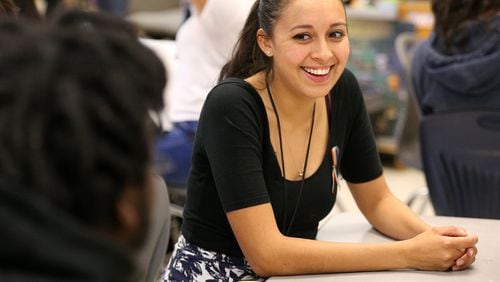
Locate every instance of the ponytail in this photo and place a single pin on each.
(247, 58)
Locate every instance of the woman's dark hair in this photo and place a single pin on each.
(75, 103)
(247, 57)
(7, 7)
(452, 16)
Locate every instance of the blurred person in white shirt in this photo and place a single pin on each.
(204, 43)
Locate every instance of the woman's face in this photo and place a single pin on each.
(309, 46)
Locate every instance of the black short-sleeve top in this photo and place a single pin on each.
(234, 165)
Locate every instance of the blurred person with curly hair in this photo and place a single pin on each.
(7, 7)
(76, 135)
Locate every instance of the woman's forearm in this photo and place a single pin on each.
(302, 256)
(395, 219)
(385, 212)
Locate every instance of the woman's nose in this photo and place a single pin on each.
(322, 51)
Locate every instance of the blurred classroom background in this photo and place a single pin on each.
(374, 28)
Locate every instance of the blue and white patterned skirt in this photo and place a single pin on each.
(192, 263)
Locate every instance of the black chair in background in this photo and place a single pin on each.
(152, 256)
(408, 152)
(408, 147)
(461, 161)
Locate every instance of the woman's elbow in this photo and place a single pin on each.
(261, 270)
(266, 264)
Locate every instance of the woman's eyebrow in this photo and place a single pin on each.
(305, 26)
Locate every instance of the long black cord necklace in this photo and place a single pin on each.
(303, 176)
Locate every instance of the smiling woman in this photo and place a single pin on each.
(284, 120)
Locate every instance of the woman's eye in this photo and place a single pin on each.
(337, 34)
(301, 36)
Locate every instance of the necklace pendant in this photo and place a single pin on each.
(301, 173)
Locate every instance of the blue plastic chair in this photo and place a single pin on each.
(461, 161)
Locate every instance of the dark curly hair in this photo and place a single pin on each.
(452, 16)
(7, 7)
(75, 103)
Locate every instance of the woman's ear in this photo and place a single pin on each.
(132, 209)
(127, 211)
(264, 42)
(127, 208)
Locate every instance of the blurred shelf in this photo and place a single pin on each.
(372, 13)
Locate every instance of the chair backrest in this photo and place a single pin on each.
(461, 161)
(405, 44)
(151, 257)
(409, 147)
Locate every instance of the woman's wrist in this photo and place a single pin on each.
(403, 254)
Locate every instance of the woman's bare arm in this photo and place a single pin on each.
(395, 219)
(384, 211)
(271, 253)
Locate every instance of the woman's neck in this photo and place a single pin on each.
(293, 107)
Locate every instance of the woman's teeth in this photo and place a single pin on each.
(317, 71)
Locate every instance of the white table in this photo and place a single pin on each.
(353, 227)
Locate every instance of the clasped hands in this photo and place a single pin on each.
(443, 248)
